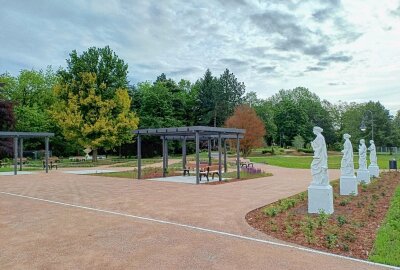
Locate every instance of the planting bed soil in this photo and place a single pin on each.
(350, 230)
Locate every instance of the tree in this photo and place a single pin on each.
(298, 142)
(90, 118)
(7, 123)
(110, 70)
(297, 111)
(217, 98)
(246, 118)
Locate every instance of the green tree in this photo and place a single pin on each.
(110, 70)
(91, 119)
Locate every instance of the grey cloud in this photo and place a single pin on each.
(314, 68)
(266, 69)
(338, 57)
(336, 83)
(233, 62)
(322, 15)
(396, 12)
(290, 34)
(183, 71)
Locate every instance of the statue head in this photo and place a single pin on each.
(371, 142)
(346, 136)
(317, 130)
(362, 141)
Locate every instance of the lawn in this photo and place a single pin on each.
(387, 245)
(303, 162)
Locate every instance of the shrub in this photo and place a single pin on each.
(341, 220)
(322, 218)
(330, 240)
(298, 142)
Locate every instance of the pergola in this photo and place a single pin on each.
(196, 133)
(20, 136)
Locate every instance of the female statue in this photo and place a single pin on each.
(347, 165)
(362, 155)
(372, 153)
(319, 165)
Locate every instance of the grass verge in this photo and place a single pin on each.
(387, 244)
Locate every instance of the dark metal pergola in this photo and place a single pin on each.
(20, 136)
(197, 134)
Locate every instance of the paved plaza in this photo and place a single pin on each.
(69, 221)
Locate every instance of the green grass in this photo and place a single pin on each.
(387, 244)
(304, 162)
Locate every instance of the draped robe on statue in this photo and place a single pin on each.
(319, 165)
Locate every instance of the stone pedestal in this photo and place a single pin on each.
(320, 198)
(373, 170)
(348, 185)
(363, 176)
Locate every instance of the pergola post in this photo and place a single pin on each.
(225, 162)
(219, 157)
(197, 158)
(46, 153)
(163, 157)
(21, 152)
(184, 153)
(238, 156)
(166, 153)
(15, 155)
(139, 156)
(209, 152)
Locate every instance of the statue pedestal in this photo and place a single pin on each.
(373, 170)
(363, 176)
(348, 185)
(320, 198)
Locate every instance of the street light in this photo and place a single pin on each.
(363, 127)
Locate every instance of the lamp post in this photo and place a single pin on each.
(364, 128)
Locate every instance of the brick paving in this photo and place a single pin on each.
(44, 235)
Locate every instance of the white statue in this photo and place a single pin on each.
(372, 153)
(347, 165)
(362, 155)
(319, 165)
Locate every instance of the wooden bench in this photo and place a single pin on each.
(246, 163)
(24, 160)
(53, 163)
(205, 170)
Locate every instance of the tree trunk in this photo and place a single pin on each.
(94, 155)
(120, 151)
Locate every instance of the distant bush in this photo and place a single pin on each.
(305, 150)
(298, 142)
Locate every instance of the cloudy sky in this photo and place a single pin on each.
(341, 50)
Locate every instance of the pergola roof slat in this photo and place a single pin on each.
(12, 134)
(188, 131)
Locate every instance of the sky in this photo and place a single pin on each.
(340, 50)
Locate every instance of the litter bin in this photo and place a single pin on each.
(393, 164)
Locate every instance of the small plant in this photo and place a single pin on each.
(341, 220)
(344, 202)
(383, 194)
(360, 204)
(308, 227)
(322, 218)
(271, 211)
(330, 240)
(375, 197)
(364, 186)
(289, 229)
(349, 236)
(345, 247)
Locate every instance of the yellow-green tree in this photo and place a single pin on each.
(90, 118)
